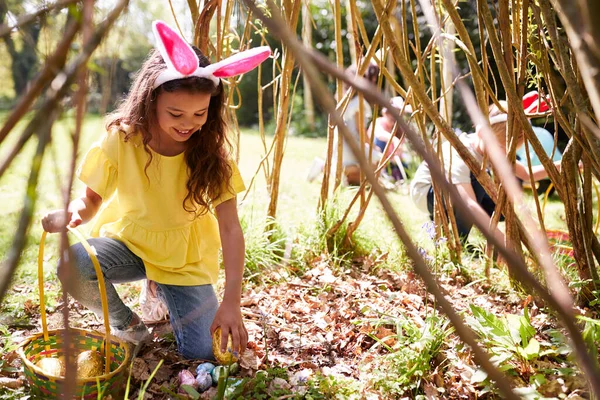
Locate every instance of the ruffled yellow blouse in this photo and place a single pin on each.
(146, 212)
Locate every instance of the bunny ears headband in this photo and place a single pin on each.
(182, 61)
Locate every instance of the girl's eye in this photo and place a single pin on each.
(199, 115)
(175, 115)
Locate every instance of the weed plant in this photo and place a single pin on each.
(402, 371)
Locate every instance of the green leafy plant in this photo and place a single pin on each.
(514, 348)
(403, 370)
(332, 387)
(511, 339)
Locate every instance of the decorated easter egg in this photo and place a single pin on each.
(89, 364)
(204, 381)
(226, 357)
(51, 366)
(217, 373)
(206, 367)
(234, 368)
(187, 378)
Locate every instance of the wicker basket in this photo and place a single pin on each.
(50, 344)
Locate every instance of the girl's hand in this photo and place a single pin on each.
(57, 220)
(229, 318)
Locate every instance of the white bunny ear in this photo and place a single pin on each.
(178, 55)
(240, 63)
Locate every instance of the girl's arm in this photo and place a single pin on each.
(229, 314)
(539, 172)
(80, 211)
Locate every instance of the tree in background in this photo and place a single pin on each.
(23, 53)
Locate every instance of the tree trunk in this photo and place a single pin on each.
(309, 106)
(25, 60)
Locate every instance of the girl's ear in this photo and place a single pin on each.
(178, 55)
(240, 63)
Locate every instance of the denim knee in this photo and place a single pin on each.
(201, 350)
(81, 265)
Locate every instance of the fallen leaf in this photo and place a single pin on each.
(10, 383)
(387, 334)
(249, 360)
(140, 370)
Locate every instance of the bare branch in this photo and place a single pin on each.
(5, 29)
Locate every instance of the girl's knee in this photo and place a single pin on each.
(79, 267)
(197, 351)
(195, 344)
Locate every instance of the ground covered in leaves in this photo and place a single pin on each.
(352, 332)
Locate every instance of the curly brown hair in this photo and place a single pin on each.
(207, 151)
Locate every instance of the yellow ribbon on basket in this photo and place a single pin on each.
(91, 252)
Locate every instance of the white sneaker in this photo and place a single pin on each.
(315, 169)
(136, 333)
(154, 311)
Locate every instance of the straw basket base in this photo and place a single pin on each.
(35, 348)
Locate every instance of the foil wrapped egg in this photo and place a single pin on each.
(89, 364)
(218, 372)
(226, 357)
(206, 367)
(204, 381)
(186, 378)
(51, 366)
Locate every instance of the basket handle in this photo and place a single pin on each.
(91, 252)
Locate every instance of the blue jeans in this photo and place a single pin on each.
(462, 226)
(191, 308)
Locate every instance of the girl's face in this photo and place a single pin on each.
(180, 114)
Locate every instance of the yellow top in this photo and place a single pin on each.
(146, 212)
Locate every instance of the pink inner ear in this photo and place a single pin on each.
(529, 98)
(241, 66)
(179, 52)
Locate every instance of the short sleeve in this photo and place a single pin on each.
(232, 188)
(99, 167)
(460, 172)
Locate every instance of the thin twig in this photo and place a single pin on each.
(5, 29)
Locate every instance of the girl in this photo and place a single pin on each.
(157, 180)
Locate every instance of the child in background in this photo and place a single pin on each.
(350, 165)
(383, 131)
(351, 168)
(478, 202)
(164, 187)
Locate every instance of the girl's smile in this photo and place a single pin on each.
(184, 133)
(179, 115)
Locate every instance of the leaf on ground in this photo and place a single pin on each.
(388, 334)
(10, 383)
(139, 369)
(249, 360)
